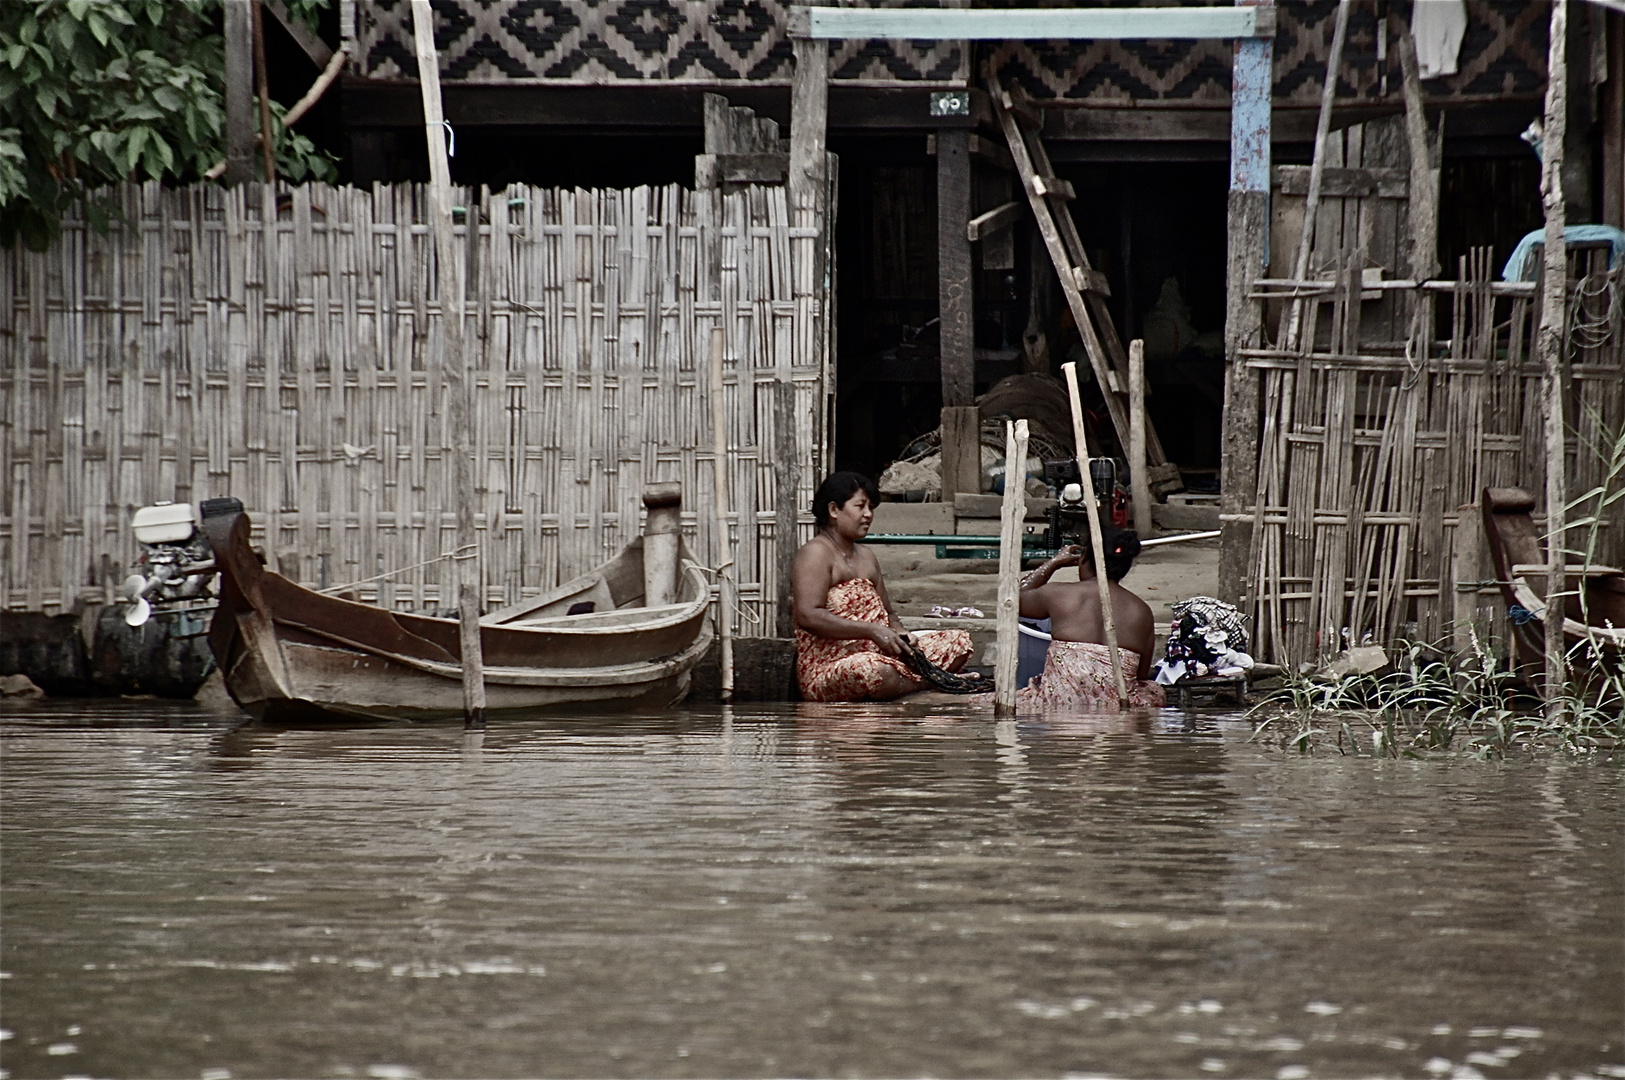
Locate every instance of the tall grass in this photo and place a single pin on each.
(1432, 700)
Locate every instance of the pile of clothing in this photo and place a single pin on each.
(1206, 637)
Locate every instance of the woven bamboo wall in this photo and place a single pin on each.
(281, 347)
(1371, 461)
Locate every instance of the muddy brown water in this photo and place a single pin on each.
(864, 891)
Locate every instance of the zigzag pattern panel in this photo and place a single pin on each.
(1503, 52)
(606, 41)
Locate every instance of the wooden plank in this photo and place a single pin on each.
(1346, 183)
(1091, 281)
(939, 24)
(1013, 511)
(1052, 186)
(313, 46)
(995, 220)
(1424, 171)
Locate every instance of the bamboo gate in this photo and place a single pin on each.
(279, 345)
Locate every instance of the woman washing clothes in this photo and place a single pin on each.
(1077, 670)
(849, 642)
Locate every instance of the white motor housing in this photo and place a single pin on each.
(165, 523)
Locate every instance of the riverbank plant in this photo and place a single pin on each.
(1431, 700)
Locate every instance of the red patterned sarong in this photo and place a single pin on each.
(851, 669)
(1078, 678)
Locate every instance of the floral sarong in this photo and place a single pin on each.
(851, 669)
(1078, 678)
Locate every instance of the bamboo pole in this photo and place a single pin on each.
(1553, 335)
(1317, 167)
(1139, 478)
(457, 384)
(725, 551)
(262, 76)
(1098, 542)
(1014, 511)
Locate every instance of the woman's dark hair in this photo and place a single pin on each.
(837, 488)
(1122, 546)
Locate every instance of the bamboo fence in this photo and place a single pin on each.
(1372, 455)
(279, 345)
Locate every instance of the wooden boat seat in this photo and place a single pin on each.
(599, 619)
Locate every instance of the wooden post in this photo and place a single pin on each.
(1424, 202)
(1612, 114)
(1247, 225)
(955, 288)
(262, 78)
(786, 483)
(808, 188)
(662, 541)
(1553, 338)
(956, 305)
(808, 181)
(239, 35)
(725, 550)
(1013, 513)
(469, 577)
(1097, 541)
(1317, 167)
(961, 450)
(1139, 469)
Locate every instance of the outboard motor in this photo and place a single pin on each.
(176, 562)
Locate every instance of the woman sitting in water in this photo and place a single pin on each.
(1077, 670)
(849, 641)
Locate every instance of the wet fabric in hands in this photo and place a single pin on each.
(853, 669)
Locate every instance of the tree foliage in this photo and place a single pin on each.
(93, 92)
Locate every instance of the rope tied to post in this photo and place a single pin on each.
(467, 551)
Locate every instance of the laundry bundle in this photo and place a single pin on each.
(1206, 637)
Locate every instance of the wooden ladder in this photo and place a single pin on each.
(1085, 287)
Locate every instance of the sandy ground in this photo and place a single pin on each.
(1162, 575)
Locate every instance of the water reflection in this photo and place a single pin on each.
(850, 891)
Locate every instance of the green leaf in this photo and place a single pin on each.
(132, 148)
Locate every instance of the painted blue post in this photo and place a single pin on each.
(1248, 219)
(1250, 81)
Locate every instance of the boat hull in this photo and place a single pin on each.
(1593, 612)
(292, 655)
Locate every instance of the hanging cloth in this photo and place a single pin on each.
(1438, 27)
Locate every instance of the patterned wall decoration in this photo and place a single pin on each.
(1503, 52)
(593, 42)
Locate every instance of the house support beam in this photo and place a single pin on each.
(1248, 251)
(956, 301)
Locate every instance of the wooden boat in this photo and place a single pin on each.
(1593, 613)
(293, 655)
